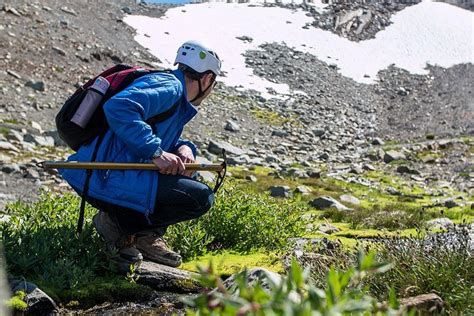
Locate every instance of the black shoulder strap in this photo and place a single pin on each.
(163, 116)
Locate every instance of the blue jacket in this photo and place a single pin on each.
(130, 139)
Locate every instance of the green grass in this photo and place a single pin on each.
(228, 263)
(41, 246)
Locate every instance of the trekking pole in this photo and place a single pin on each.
(122, 166)
(221, 168)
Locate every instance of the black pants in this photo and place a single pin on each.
(179, 198)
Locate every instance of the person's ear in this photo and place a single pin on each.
(207, 79)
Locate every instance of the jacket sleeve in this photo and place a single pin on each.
(188, 143)
(127, 111)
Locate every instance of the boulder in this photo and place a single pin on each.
(425, 303)
(349, 199)
(392, 155)
(39, 303)
(280, 191)
(325, 202)
(328, 229)
(443, 223)
(231, 126)
(164, 278)
(216, 147)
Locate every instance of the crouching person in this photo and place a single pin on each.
(136, 206)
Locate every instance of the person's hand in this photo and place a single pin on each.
(187, 156)
(169, 163)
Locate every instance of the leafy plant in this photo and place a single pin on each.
(440, 263)
(294, 295)
(239, 220)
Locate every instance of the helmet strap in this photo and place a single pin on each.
(201, 93)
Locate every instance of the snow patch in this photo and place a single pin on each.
(427, 33)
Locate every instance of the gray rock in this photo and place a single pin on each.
(39, 303)
(245, 38)
(318, 132)
(251, 178)
(425, 304)
(393, 191)
(232, 126)
(328, 229)
(324, 156)
(57, 140)
(14, 135)
(406, 169)
(59, 50)
(315, 174)
(280, 191)
(402, 91)
(39, 140)
(164, 278)
(272, 158)
(216, 147)
(392, 155)
(36, 85)
(302, 189)
(377, 141)
(349, 199)
(279, 133)
(8, 146)
(127, 10)
(450, 203)
(368, 167)
(13, 168)
(443, 223)
(32, 174)
(325, 202)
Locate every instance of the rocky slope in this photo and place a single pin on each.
(48, 48)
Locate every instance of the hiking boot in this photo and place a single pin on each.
(114, 239)
(154, 248)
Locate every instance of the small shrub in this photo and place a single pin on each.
(240, 221)
(441, 263)
(392, 216)
(344, 293)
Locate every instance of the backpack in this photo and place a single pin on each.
(119, 77)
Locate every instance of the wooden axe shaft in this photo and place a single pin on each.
(123, 166)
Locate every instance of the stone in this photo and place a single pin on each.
(59, 50)
(164, 278)
(368, 167)
(36, 126)
(272, 158)
(349, 199)
(406, 169)
(325, 202)
(127, 10)
(450, 203)
(302, 189)
(315, 173)
(13, 168)
(280, 191)
(39, 140)
(55, 135)
(39, 303)
(279, 133)
(231, 126)
(402, 91)
(377, 141)
(318, 132)
(423, 304)
(393, 191)
(38, 85)
(251, 178)
(14, 135)
(8, 146)
(392, 155)
(442, 222)
(245, 38)
(216, 147)
(328, 229)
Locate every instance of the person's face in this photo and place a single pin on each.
(208, 80)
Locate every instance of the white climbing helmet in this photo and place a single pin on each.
(198, 57)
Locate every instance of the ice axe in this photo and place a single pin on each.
(221, 168)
